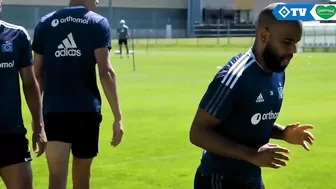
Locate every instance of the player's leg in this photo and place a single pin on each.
(84, 149)
(15, 168)
(17, 176)
(58, 160)
(120, 47)
(81, 172)
(58, 133)
(127, 49)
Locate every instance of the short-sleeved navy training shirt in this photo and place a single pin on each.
(122, 31)
(247, 101)
(67, 40)
(16, 53)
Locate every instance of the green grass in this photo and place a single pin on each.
(160, 98)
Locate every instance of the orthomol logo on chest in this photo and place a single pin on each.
(256, 118)
(7, 64)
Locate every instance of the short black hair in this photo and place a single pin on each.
(266, 16)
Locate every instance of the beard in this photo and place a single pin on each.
(273, 59)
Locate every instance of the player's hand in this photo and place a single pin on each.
(118, 132)
(39, 139)
(270, 155)
(298, 134)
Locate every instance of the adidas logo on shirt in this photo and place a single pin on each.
(68, 47)
(260, 98)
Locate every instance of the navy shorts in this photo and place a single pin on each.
(14, 149)
(81, 130)
(123, 41)
(216, 181)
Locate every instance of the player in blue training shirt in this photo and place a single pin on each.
(15, 62)
(236, 116)
(67, 45)
(123, 37)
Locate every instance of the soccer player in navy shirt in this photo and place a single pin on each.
(123, 37)
(15, 62)
(67, 46)
(236, 116)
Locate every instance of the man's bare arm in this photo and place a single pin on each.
(202, 135)
(38, 69)
(32, 95)
(128, 35)
(108, 80)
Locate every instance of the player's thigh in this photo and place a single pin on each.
(86, 141)
(120, 42)
(15, 160)
(125, 42)
(57, 154)
(17, 176)
(81, 169)
(59, 130)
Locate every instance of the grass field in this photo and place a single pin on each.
(159, 100)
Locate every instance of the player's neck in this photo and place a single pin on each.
(76, 4)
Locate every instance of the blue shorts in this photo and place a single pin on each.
(15, 149)
(217, 181)
(81, 130)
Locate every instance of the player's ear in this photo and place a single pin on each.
(264, 35)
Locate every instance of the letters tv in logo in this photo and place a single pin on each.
(305, 12)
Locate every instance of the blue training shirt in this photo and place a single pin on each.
(247, 101)
(122, 31)
(16, 53)
(67, 39)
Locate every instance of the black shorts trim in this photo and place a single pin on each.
(123, 41)
(217, 181)
(81, 130)
(15, 148)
